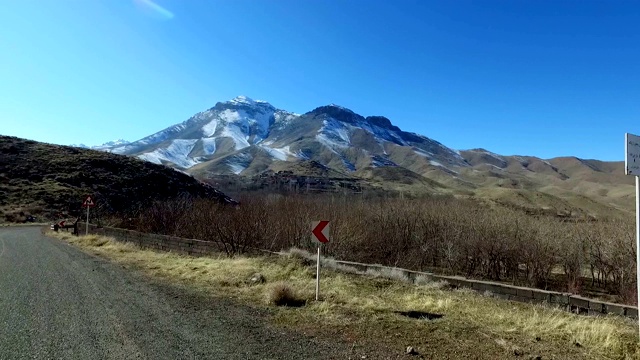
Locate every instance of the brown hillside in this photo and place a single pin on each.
(48, 179)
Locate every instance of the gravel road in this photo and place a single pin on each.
(57, 302)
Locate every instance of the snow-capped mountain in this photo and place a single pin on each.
(104, 147)
(248, 137)
(245, 136)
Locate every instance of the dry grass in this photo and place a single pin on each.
(367, 306)
(281, 294)
(393, 274)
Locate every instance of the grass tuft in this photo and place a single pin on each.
(281, 294)
(428, 283)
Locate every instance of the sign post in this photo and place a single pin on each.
(320, 235)
(632, 167)
(88, 203)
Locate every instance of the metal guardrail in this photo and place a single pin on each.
(567, 301)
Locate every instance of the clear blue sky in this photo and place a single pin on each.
(542, 78)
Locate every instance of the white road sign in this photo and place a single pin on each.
(632, 156)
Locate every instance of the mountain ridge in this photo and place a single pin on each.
(248, 137)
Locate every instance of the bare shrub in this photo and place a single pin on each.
(300, 256)
(281, 294)
(165, 217)
(616, 259)
(447, 235)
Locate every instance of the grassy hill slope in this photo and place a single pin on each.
(45, 179)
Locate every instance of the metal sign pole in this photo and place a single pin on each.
(318, 276)
(87, 230)
(638, 244)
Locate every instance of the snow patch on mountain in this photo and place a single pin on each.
(238, 163)
(334, 134)
(114, 143)
(284, 118)
(381, 133)
(302, 155)
(237, 168)
(177, 153)
(494, 155)
(162, 135)
(423, 153)
(247, 125)
(209, 146)
(210, 128)
(356, 122)
(104, 147)
(237, 135)
(348, 164)
(446, 169)
(285, 150)
(379, 161)
(278, 153)
(120, 149)
(244, 100)
(342, 108)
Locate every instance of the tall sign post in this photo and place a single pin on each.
(320, 235)
(632, 167)
(88, 203)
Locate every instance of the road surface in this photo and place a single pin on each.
(57, 302)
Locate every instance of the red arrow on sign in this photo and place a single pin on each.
(320, 231)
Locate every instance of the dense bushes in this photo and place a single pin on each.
(450, 235)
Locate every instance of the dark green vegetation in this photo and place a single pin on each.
(50, 180)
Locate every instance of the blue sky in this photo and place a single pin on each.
(542, 78)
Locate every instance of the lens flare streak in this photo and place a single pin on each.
(154, 9)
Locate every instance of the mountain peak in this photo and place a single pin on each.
(105, 146)
(245, 100)
(243, 135)
(115, 142)
(382, 122)
(337, 112)
(341, 108)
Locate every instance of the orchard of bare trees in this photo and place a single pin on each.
(444, 235)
